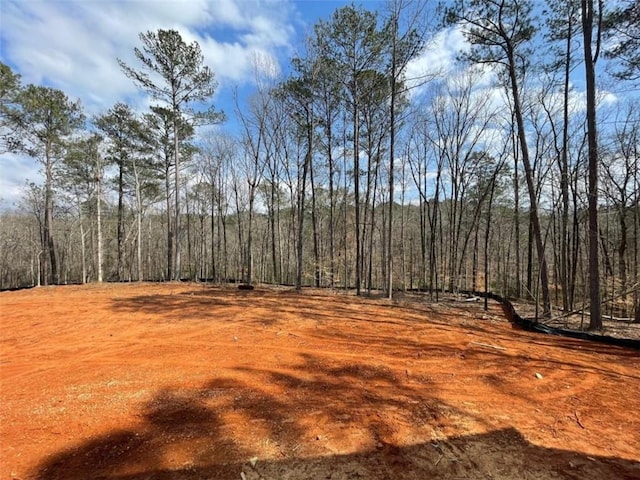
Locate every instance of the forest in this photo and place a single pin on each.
(517, 174)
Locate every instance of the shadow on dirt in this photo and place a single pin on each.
(326, 422)
(148, 453)
(213, 302)
(333, 417)
(269, 307)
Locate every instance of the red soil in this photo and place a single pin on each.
(185, 381)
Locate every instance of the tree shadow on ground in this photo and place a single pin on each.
(409, 344)
(216, 430)
(329, 416)
(213, 302)
(502, 454)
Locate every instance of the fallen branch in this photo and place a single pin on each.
(488, 345)
(583, 309)
(617, 319)
(578, 419)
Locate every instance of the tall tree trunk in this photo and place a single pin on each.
(474, 269)
(272, 224)
(530, 287)
(344, 204)
(487, 234)
(249, 251)
(241, 246)
(595, 322)
(138, 223)
(622, 249)
(202, 269)
(535, 221)
(403, 225)
(302, 186)
(356, 188)
(224, 268)
(575, 244)
(516, 219)
(99, 216)
(564, 177)
(435, 225)
(83, 251)
(48, 243)
(332, 207)
(176, 223)
(314, 225)
(424, 222)
(392, 146)
(453, 233)
(170, 230)
(120, 229)
(189, 249)
(636, 249)
(150, 272)
(372, 223)
(215, 243)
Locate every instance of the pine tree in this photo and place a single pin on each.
(185, 81)
(45, 118)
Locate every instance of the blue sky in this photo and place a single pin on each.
(74, 45)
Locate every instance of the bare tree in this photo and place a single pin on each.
(620, 181)
(500, 32)
(254, 124)
(406, 30)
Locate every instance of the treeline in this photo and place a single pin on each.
(358, 170)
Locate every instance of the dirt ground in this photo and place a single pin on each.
(186, 381)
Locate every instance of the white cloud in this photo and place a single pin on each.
(438, 58)
(74, 45)
(15, 170)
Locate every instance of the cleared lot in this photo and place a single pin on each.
(185, 381)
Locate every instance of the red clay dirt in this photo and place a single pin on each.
(188, 381)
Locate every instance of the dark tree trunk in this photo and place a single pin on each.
(516, 219)
(314, 224)
(595, 322)
(564, 178)
(272, 224)
(356, 188)
(48, 242)
(486, 247)
(301, 201)
(120, 230)
(535, 221)
(215, 244)
(176, 224)
(169, 226)
(332, 207)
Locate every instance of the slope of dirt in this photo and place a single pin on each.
(185, 381)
